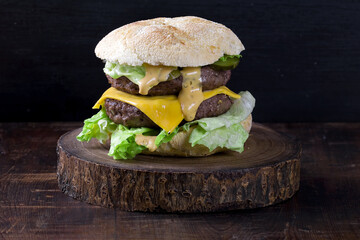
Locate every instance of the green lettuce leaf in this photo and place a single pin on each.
(123, 145)
(165, 137)
(134, 73)
(232, 138)
(98, 126)
(224, 130)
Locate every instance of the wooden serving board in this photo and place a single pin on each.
(267, 172)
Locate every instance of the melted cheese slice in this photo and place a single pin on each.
(165, 111)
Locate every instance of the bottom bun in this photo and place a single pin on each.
(180, 146)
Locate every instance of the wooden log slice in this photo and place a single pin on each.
(267, 172)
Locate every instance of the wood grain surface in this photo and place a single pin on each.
(326, 206)
(267, 172)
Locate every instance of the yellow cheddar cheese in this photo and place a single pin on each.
(165, 111)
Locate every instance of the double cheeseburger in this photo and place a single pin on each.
(168, 94)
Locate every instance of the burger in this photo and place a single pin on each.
(168, 95)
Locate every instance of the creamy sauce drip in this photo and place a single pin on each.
(154, 75)
(147, 141)
(191, 95)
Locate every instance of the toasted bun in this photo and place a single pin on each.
(180, 146)
(181, 41)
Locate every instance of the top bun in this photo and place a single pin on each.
(181, 41)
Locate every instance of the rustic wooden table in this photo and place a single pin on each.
(327, 205)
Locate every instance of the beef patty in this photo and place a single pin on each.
(130, 116)
(211, 79)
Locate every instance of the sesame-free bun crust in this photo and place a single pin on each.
(180, 146)
(181, 41)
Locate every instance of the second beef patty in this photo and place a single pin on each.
(130, 116)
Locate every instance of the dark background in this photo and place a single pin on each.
(302, 58)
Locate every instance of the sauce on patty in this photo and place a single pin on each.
(154, 75)
(191, 96)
